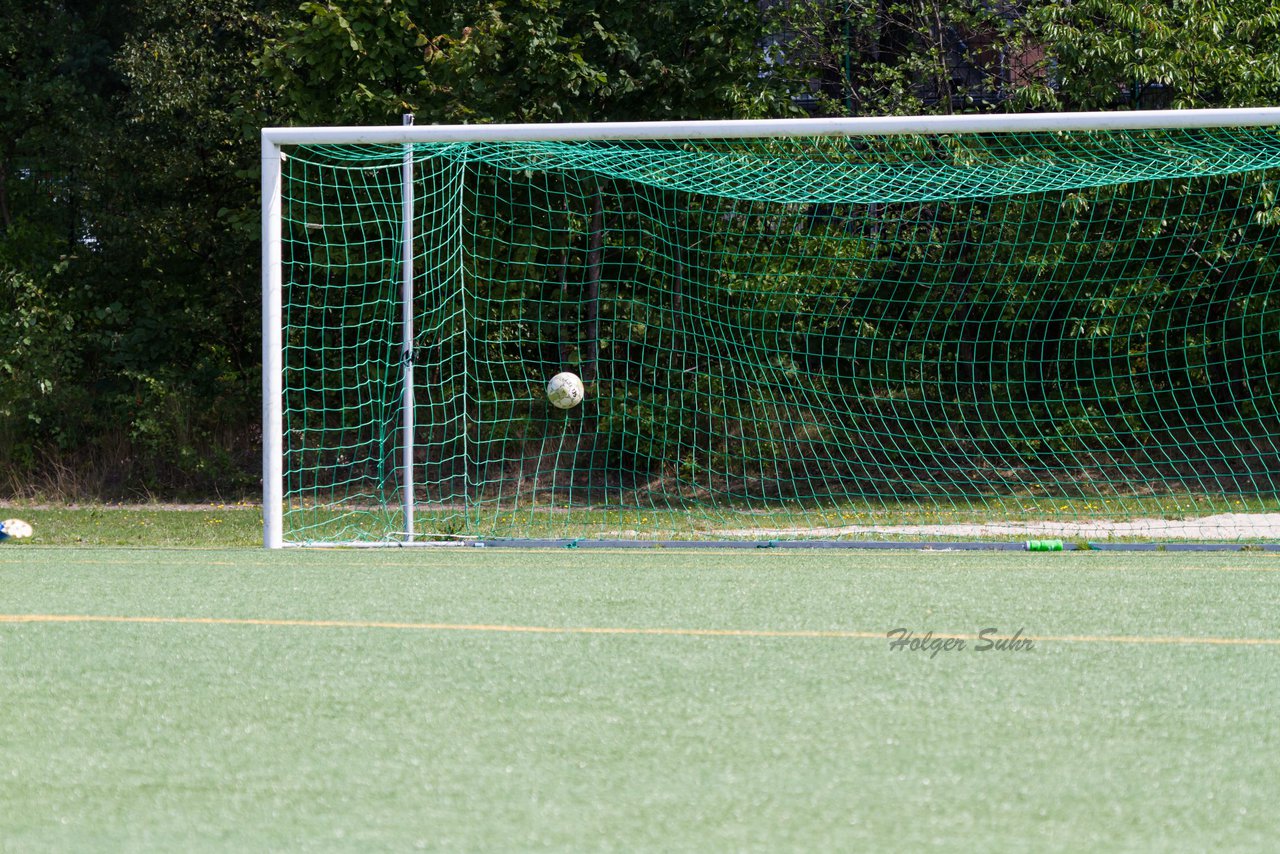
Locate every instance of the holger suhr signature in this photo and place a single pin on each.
(987, 640)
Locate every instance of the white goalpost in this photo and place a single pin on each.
(1000, 327)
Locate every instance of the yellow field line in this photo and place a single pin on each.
(616, 630)
(437, 627)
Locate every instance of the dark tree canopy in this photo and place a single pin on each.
(129, 153)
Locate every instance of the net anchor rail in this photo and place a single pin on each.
(766, 545)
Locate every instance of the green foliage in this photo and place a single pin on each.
(36, 362)
(894, 57)
(874, 57)
(1181, 54)
(129, 240)
(368, 61)
(128, 160)
(181, 256)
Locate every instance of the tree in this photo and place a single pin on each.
(178, 235)
(905, 57)
(54, 82)
(1146, 55)
(128, 152)
(131, 136)
(365, 61)
(875, 57)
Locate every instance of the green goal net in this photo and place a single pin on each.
(936, 336)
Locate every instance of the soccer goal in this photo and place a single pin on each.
(937, 328)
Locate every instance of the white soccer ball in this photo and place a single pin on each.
(565, 390)
(15, 528)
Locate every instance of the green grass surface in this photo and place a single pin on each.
(229, 525)
(241, 525)
(321, 523)
(444, 728)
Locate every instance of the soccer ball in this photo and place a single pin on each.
(565, 390)
(15, 528)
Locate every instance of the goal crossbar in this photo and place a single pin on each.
(773, 128)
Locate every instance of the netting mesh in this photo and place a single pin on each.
(968, 335)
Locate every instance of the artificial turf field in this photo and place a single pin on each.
(635, 700)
